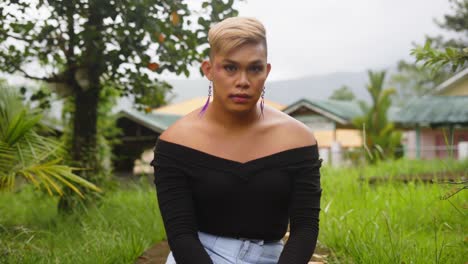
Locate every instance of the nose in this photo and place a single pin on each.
(243, 81)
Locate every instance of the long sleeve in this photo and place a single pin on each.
(177, 210)
(304, 213)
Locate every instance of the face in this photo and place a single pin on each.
(238, 77)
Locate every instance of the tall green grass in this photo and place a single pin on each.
(392, 222)
(118, 231)
(403, 167)
(387, 222)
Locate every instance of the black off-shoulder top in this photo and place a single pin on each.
(198, 191)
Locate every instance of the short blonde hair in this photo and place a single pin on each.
(234, 32)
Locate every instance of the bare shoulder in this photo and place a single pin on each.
(291, 131)
(181, 132)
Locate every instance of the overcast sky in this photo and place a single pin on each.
(312, 37)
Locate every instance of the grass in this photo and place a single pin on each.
(415, 168)
(393, 222)
(388, 222)
(125, 225)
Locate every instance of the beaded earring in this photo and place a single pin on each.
(210, 88)
(262, 102)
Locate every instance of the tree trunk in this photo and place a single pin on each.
(84, 138)
(84, 144)
(85, 128)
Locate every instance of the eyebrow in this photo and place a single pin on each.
(235, 62)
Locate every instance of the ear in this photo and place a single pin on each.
(206, 68)
(268, 68)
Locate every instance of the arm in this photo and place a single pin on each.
(175, 202)
(304, 214)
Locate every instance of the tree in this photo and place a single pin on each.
(436, 59)
(84, 45)
(343, 94)
(414, 80)
(446, 55)
(457, 23)
(25, 153)
(380, 138)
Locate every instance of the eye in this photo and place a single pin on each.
(230, 68)
(256, 68)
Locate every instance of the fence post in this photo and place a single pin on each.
(463, 150)
(336, 154)
(418, 142)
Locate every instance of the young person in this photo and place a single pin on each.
(231, 174)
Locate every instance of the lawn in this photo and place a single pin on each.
(118, 231)
(361, 221)
(391, 221)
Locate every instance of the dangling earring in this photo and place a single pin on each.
(202, 111)
(262, 102)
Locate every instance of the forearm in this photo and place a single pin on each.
(188, 249)
(302, 242)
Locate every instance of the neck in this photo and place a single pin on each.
(230, 120)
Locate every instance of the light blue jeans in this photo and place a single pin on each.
(226, 250)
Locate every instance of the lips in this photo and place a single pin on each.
(240, 98)
(240, 95)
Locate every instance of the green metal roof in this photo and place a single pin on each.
(345, 109)
(340, 111)
(430, 110)
(435, 111)
(157, 122)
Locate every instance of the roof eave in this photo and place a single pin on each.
(136, 119)
(304, 103)
(449, 82)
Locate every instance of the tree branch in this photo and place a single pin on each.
(54, 78)
(20, 38)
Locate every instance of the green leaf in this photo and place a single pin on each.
(450, 52)
(427, 45)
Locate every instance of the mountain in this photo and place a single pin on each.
(317, 87)
(285, 91)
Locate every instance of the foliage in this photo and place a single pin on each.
(85, 46)
(131, 39)
(436, 59)
(412, 80)
(343, 94)
(27, 154)
(451, 52)
(107, 130)
(126, 223)
(380, 137)
(107, 137)
(457, 21)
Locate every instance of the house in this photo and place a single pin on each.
(331, 122)
(437, 123)
(139, 133)
(455, 86)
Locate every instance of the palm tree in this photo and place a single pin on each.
(380, 137)
(25, 153)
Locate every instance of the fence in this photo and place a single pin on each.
(336, 155)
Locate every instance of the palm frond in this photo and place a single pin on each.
(7, 158)
(20, 125)
(47, 174)
(25, 153)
